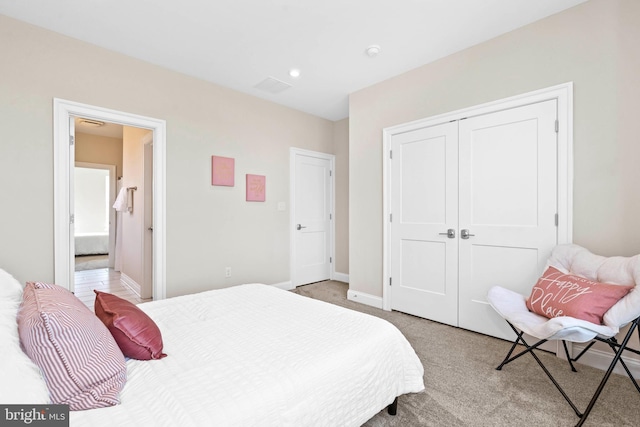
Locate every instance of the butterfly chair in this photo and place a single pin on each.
(582, 297)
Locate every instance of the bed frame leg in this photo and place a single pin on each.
(393, 408)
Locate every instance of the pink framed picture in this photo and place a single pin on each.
(256, 186)
(222, 171)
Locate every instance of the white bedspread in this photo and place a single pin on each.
(255, 355)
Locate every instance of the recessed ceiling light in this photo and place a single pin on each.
(294, 72)
(373, 50)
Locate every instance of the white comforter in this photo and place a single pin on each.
(255, 355)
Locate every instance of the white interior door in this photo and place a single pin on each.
(312, 216)
(424, 200)
(508, 204)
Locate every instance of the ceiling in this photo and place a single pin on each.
(240, 43)
(93, 127)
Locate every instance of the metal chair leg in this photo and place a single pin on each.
(529, 349)
(566, 351)
(618, 349)
(392, 409)
(584, 350)
(624, 365)
(613, 343)
(615, 360)
(513, 347)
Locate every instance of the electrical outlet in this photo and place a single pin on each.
(227, 272)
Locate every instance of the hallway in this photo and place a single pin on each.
(105, 280)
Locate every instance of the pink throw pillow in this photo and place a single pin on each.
(79, 359)
(557, 294)
(135, 332)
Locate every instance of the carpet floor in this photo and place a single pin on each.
(463, 388)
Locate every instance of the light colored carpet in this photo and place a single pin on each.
(91, 262)
(463, 388)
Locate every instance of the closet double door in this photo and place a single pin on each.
(473, 204)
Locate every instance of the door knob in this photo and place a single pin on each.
(451, 233)
(464, 234)
(300, 227)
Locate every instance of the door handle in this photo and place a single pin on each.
(300, 227)
(464, 234)
(451, 233)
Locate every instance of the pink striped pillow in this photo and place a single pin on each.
(81, 362)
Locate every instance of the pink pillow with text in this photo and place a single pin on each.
(557, 294)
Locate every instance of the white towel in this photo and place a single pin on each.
(121, 201)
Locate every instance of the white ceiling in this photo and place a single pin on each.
(239, 43)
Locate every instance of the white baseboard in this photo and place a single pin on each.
(131, 284)
(602, 359)
(340, 277)
(287, 286)
(363, 298)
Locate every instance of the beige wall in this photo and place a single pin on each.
(341, 151)
(208, 228)
(595, 46)
(99, 149)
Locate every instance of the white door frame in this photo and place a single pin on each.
(293, 152)
(63, 110)
(563, 93)
(112, 199)
(147, 224)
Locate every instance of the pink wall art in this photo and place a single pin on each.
(222, 171)
(256, 188)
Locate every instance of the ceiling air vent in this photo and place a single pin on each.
(272, 85)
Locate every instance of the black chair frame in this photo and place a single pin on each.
(617, 348)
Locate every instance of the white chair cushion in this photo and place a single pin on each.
(576, 260)
(511, 306)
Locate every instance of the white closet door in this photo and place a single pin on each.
(424, 205)
(508, 186)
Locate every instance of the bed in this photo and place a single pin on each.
(246, 355)
(91, 243)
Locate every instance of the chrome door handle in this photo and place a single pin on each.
(451, 233)
(300, 227)
(464, 234)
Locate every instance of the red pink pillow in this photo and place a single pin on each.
(136, 333)
(557, 294)
(79, 359)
